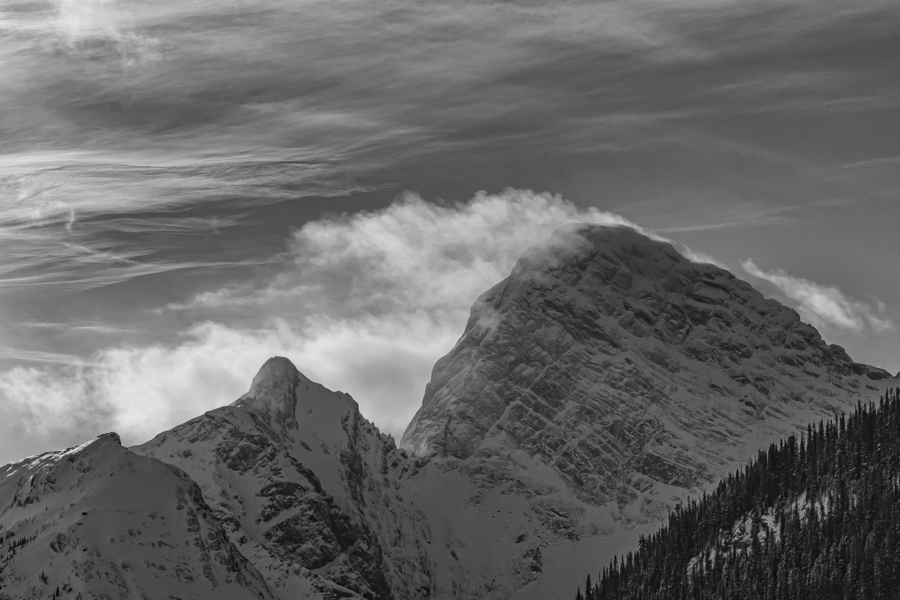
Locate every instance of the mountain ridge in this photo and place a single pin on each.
(101, 521)
(604, 381)
(304, 484)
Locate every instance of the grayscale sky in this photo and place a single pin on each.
(190, 187)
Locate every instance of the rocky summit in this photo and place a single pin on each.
(605, 380)
(623, 365)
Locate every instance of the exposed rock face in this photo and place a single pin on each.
(306, 488)
(630, 370)
(99, 521)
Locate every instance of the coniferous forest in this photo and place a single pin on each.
(813, 518)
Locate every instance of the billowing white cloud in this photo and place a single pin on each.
(824, 306)
(414, 255)
(368, 304)
(420, 255)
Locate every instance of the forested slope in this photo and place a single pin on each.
(814, 517)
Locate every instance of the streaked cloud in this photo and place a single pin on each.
(44, 188)
(39, 356)
(725, 215)
(71, 245)
(822, 305)
(336, 81)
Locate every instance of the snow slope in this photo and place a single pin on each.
(98, 521)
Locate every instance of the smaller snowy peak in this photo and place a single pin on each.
(274, 389)
(307, 488)
(287, 399)
(276, 373)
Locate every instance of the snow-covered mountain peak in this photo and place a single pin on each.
(626, 366)
(624, 319)
(275, 371)
(609, 378)
(274, 390)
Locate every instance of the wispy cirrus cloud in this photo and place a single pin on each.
(127, 107)
(724, 215)
(119, 118)
(822, 305)
(41, 188)
(80, 234)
